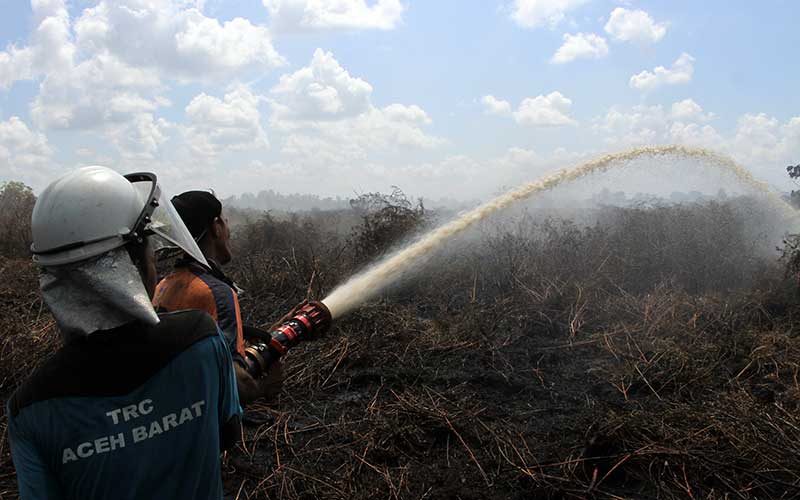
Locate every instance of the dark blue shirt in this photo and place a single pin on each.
(136, 412)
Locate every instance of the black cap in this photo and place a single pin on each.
(198, 209)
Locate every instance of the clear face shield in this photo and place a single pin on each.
(160, 220)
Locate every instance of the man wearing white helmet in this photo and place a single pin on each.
(135, 404)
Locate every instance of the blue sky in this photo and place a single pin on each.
(443, 98)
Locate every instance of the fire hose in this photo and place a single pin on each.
(310, 321)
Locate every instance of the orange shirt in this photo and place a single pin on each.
(192, 286)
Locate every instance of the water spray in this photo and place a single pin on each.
(315, 317)
(367, 284)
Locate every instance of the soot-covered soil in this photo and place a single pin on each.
(652, 355)
(678, 402)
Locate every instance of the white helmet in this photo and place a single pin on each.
(87, 212)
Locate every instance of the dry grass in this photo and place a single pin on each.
(27, 336)
(543, 360)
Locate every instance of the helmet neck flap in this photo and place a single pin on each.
(96, 294)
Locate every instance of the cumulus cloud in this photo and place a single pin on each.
(377, 130)
(761, 139)
(330, 118)
(760, 142)
(408, 114)
(176, 38)
(551, 110)
(582, 45)
(107, 70)
(323, 90)
(140, 138)
(689, 110)
(15, 64)
(49, 48)
(171, 36)
(326, 15)
(680, 72)
(231, 123)
(640, 125)
(396, 125)
(495, 106)
(25, 154)
(634, 26)
(21, 145)
(696, 134)
(96, 92)
(682, 123)
(78, 89)
(536, 13)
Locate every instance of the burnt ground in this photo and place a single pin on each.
(415, 408)
(640, 358)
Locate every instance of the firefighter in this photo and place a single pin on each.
(135, 404)
(193, 285)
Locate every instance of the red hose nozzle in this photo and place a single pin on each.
(316, 317)
(310, 321)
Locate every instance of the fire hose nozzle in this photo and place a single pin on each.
(318, 315)
(310, 321)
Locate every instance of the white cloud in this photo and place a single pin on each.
(582, 45)
(393, 126)
(551, 110)
(761, 143)
(105, 96)
(792, 131)
(20, 143)
(232, 123)
(15, 64)
(176, 38)
(407, 114)
(323, 90)
(535, 13)
(49, 48)
(634, 25)
(654, 125)
(321, 15)
(762, 139)
(641, 125)
(24, 154)
(173, 37)
(51, 39)
(680, 72)
(689, 110)
(107, 73)
(377, 130)
(330, 118)
(495, 106)
(695, 134)
(94, 93)
(140, 138)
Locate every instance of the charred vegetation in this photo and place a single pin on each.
(650, 353)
